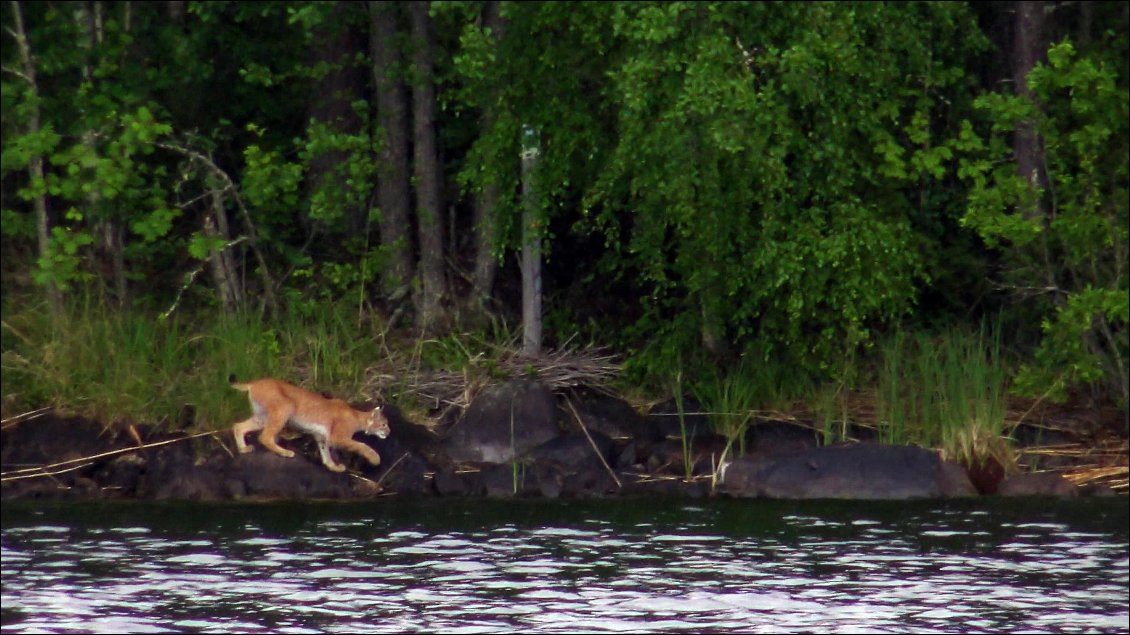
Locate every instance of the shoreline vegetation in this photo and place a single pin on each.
(947, 392)
(887, 223)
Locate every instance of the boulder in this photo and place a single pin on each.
(402, 470)
(266, 475)
(664, 417)
(64, 447)
(860, 471)
(611, 416)
(570, 467)
(1037, 484)
(503, 422)
(779, 437)
(404, 432)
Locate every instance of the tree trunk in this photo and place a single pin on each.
(335, 43)
(110, 245)
(429, 203)
(35, 165)
(1028, 48)
(486, 203)
(228, 287)
(174, 9)
(113, 249)
(392, 190)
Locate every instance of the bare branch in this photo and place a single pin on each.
(269, 284)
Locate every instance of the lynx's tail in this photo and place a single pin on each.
(237, 386)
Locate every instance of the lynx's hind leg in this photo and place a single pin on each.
(241, 429)
(269, 435)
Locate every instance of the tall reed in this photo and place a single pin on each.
(947, 392)
(688, 442)
(130, 366)
(735, 398)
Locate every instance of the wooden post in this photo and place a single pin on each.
(531, 246)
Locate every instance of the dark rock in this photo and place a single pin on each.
(503, 480)
(1037, 484)
(611, 416)
(1097, 490)
(448, 482)
(705, 452)
(666, 487)
(59, 444)
(550, 483)
(574, 451)
(52, 439)
(571, 467)
(860, 471)
(503, 422)
(268, 475)
(664, 417)
(778, 437)
(121, 475)
(955, 480)
(171, 472)
(406, 473)
(985, 474)
(627, 456)
(407, 433)
(402, 469)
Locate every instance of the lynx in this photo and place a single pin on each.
(333, 422)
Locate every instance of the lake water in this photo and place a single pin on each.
(467, 566)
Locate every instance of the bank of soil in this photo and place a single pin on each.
(519, 439)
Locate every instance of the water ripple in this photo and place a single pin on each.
(741, 567)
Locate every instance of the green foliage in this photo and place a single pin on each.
(61, 265)
(1068, 354)
(270, 183)
(1065, 244)
(760, 184)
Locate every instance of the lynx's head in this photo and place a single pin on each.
(376, 423)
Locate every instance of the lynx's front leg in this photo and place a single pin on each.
(360, 448)
(327, 458)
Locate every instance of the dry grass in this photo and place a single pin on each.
(1102, 463)
(434, 395)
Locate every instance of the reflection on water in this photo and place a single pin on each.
(478, 566)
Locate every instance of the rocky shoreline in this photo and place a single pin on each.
(516, 439)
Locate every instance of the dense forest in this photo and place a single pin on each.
(805, 196)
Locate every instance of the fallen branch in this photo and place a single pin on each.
(42, 470)
(64, 470)
(27, 416)
(593, 444)
(389, 470)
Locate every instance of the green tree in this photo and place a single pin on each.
(1066, 245)
(770, 165)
